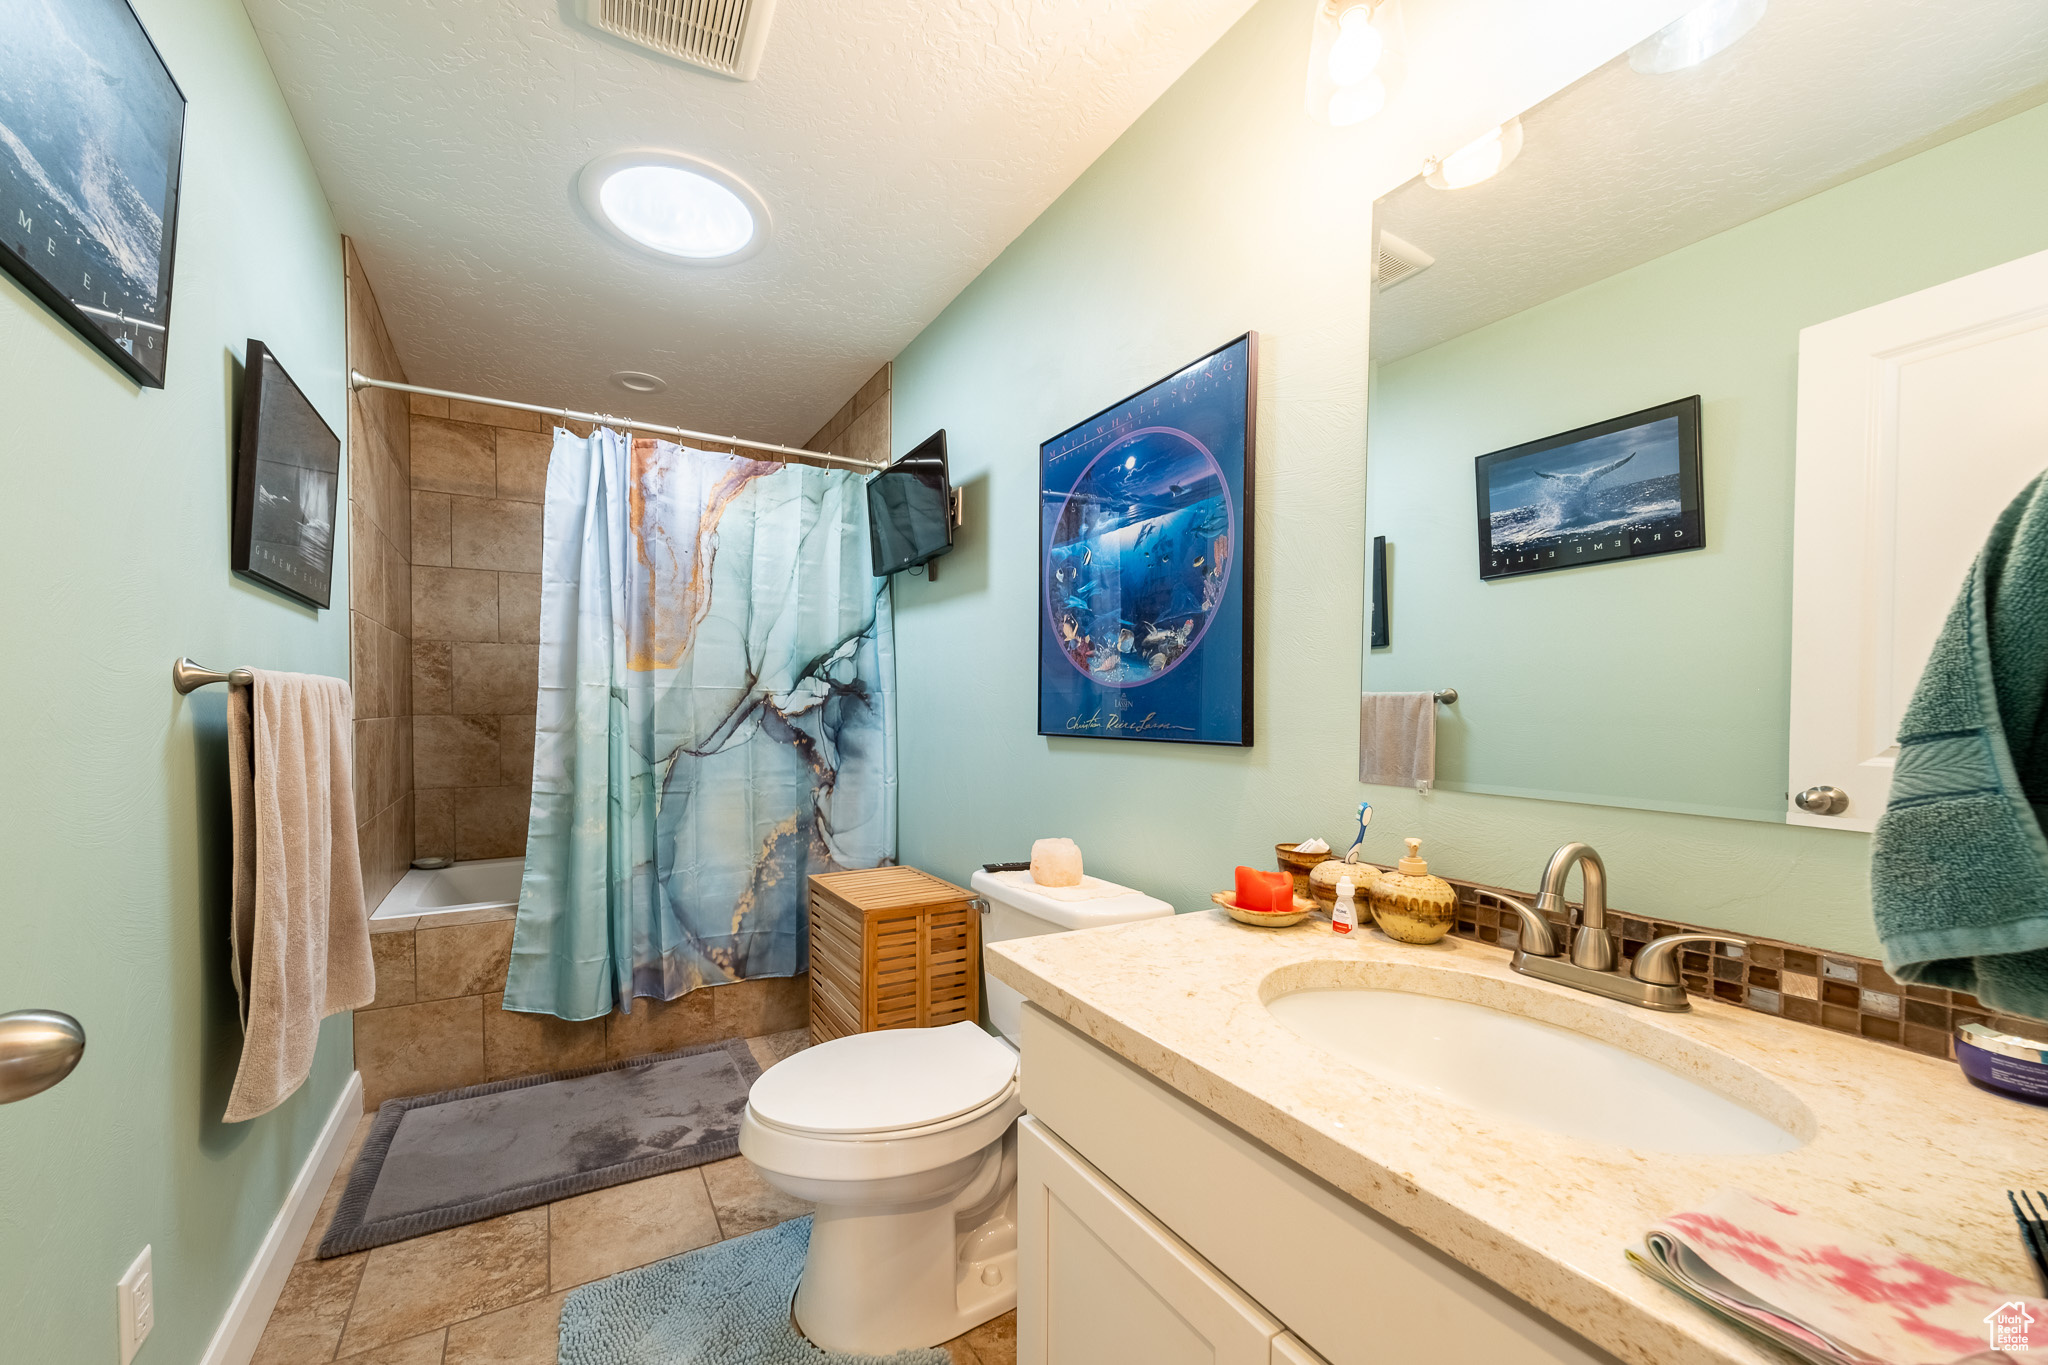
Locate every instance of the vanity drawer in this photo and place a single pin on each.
(1354, 1287)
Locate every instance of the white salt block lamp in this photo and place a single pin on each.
(1056, 862)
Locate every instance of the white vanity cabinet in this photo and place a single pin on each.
(1152, 1233)
(1109, 1285)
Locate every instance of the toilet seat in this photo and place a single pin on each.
(892, 1084)
(1002, 1099)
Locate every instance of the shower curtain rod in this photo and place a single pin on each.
(358, 380)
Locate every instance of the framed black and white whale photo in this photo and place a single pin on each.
(1625, 488)
(92, 131)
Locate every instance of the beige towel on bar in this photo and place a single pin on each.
(1397, 739)
(301, 933)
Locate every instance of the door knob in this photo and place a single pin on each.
(1822, 800)
(38, 1048)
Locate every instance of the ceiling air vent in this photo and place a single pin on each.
(725, 36)
(1397, 260)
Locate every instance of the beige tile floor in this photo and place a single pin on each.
(491, 1293)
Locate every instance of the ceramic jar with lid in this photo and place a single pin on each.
(1409, 905)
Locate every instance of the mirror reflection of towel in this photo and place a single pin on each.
(1397, 739)
(301, 934)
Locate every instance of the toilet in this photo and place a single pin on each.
(905, 1140)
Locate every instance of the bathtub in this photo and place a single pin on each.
(462, 893)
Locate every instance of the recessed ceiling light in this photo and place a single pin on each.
(1694, 36)
(675, 206)
(639, 381)
(1481, 159)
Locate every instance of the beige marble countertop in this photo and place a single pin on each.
(1900, 1147)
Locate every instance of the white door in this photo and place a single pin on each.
(1102, 1282)
(1289, 1350)
(1919, 420)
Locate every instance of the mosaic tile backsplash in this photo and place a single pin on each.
(1829, 990)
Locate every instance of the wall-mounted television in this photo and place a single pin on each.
(910, 509)
(287, 485)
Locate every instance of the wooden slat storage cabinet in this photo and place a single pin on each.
(892, 947)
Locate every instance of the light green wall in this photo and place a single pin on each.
(1660, 683)
(113, 808)
(1223, 209)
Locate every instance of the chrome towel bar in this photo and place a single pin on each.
(187, 676)
(1449, 696)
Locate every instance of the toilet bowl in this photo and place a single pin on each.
(905, 1140)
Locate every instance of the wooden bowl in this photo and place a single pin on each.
(1297, 864)
(1265, 919)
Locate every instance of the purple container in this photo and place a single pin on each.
(2006, 1063)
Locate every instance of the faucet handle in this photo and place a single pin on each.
(1657, 963)
(1535, 937)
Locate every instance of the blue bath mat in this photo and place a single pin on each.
(726, 1304)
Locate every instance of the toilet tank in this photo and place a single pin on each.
(1015, 911)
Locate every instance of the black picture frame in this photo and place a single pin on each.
(1170, 660)
(1556, 503)
(287, 485)
(1382, 634)
(107, 275)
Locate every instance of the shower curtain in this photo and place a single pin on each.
(716, 721)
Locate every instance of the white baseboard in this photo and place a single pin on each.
(241, 1327)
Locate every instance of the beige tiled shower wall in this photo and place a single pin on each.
(860, 429)
(478, 477)
(379, 593)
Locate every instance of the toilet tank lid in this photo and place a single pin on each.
(884, 1081)
(1017, 889)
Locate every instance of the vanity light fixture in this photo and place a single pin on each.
(1351, 60)
(674, 206)
(1696, 35)
(1481, 159)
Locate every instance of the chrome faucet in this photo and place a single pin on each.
(1653, 982)
(1591, 948)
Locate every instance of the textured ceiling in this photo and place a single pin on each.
(899, 146)
(1621, 168)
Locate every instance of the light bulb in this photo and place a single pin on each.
(1480, 159)
(1694, 36)
(1357, 49)
(1358, 103)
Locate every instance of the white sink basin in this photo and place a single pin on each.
(1514, 1068)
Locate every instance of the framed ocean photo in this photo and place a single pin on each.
(1625, 488)
(287, 485)
(1145, 561)
(92, 131)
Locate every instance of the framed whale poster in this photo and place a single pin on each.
(1620, 489)
(1145, 561)
(92, 130)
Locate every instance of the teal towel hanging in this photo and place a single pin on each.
(1959, 864)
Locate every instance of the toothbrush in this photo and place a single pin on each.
(1355, 853)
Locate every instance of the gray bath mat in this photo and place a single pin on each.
(439, 1161)
(725, 1304)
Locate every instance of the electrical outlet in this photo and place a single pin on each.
(135, 1297)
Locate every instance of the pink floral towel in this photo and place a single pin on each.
(1885, 1305)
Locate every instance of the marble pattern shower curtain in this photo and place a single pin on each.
(716, 721)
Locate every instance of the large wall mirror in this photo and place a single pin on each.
(1665, 234)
